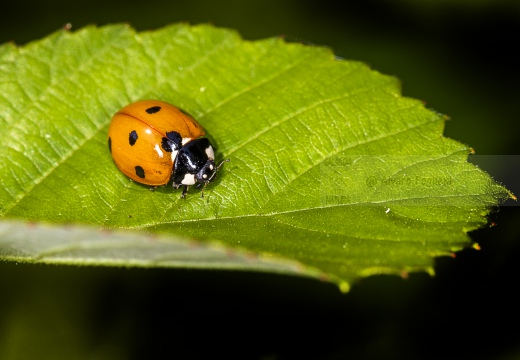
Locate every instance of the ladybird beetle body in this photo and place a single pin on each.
(152, 141)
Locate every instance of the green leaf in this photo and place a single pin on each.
(85, 245)
(330, 166)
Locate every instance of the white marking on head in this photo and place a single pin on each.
(185, 141)
(158, 150)
(210, 153)
(205, 176)
(189, 179)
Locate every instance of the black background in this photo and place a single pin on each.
(462, 60)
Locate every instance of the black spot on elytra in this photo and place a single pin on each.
(166, 145)
(153, 109)
(139, 171)
(172, 141)
(110, 145)
(132, 138)
(174, 136)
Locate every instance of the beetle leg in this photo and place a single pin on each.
(184, 191)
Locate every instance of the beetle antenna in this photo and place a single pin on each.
(212, 176)
(218, 167)
(222, 163)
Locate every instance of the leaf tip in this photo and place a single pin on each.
(430, 271)
(344, 287)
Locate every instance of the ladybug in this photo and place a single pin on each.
(153, 142)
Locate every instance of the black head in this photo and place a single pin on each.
(208, 173)
(195, 165)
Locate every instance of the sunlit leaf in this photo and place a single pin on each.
(330, 166)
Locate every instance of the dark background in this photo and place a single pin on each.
(462, 60)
